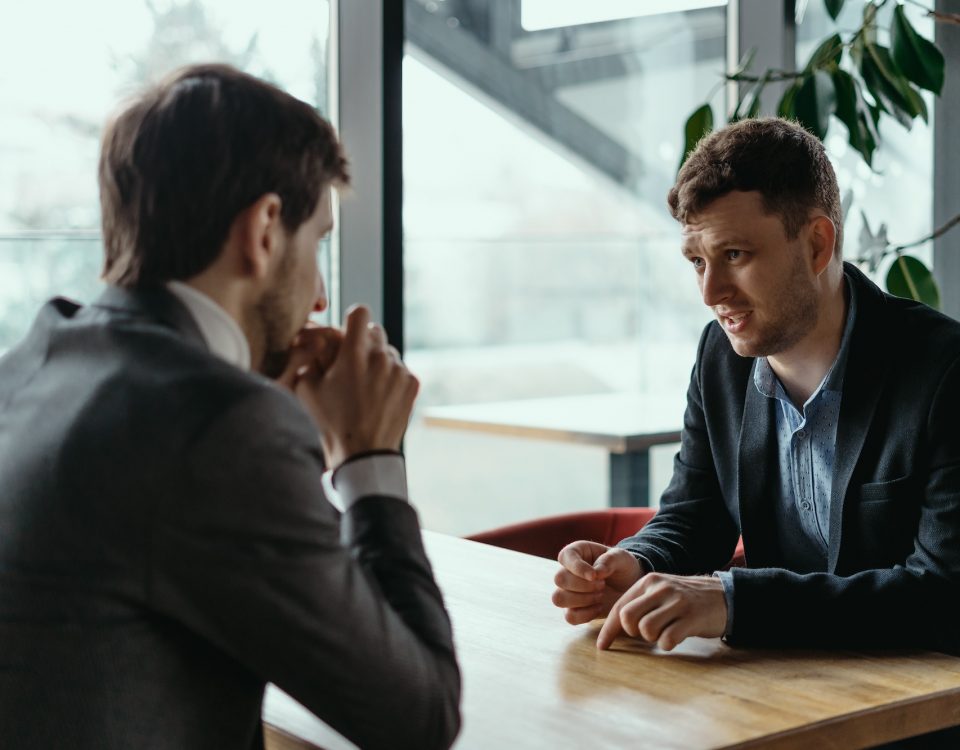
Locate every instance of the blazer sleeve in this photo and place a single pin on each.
(910, 605)
(692, 531)
(341, 613)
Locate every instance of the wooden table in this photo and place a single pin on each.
(626, 425)
(530, 681)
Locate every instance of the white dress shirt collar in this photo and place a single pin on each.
(219, 330)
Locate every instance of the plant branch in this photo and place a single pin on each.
(937, 14)
(775, 76)
(932, 236)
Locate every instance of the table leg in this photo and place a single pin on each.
(630, 479)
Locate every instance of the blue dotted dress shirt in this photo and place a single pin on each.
(806, 441)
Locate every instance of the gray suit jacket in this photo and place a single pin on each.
(166, 550)
(892, 577)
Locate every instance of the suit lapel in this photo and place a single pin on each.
(757, 477)
(862, 384)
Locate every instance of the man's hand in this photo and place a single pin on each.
(314, 348)
(358, 391)
(666, 609)
(592, 578)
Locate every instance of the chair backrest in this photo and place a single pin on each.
(545, 537)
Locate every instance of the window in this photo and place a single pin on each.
(903, 164)
(540, 258)
(59, 87)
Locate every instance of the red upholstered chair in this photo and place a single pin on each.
(545, 537)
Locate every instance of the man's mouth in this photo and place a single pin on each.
(735, 323)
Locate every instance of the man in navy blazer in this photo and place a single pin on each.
(166, 542)
(821, 424)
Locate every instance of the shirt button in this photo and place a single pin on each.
(801, 434)
(805, 505)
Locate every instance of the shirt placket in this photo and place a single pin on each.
(802, 461)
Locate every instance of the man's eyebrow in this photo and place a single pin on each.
(732, 241)
(720, 243)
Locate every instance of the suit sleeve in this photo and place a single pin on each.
(341, 613)
(909, 605)
(693, 531)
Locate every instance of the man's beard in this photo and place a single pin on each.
(272, 317)
(797, 303)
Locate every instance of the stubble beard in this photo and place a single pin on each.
(797, 313)
(272, 319)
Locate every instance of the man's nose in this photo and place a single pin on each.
(714, 286)
(320, 302)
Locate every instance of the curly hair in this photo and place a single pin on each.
(775, 157)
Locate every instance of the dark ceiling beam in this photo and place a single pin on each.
(521, 93)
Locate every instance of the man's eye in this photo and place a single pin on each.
(733, 254)
(697, 262)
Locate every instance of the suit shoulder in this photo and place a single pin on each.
(924, 333)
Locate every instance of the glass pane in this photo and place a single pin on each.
(81, 67)
(903, 164)
(540, 258)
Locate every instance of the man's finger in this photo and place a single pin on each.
(356, 327)
(322, 343)
(608, 563)
(568, 581)
(571, 559)
(573, 600)
(378, 336)
(611, 626)
(581, 615)
(653, 614)
(298, 360)
(674, 634)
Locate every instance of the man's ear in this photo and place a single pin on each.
(260, 230)
(822, 236)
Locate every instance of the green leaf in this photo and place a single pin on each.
(815, 102)
(751, 102)
(918, 58)
(828, 53)
(833, 7)
(753, 110)
(909, 278)
(745, 62)
(853, 112)
(888, 87)
(698, 125)
(786, 108)
(917, 101)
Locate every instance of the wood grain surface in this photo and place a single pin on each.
(533, 681)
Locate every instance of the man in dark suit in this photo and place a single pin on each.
(166, 547)
(821, 424)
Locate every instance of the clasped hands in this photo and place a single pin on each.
(597, 581)
(354, 386)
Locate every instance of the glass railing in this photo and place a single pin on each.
(35, 266)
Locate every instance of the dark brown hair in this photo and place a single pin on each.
(775, 157)
(183, 159)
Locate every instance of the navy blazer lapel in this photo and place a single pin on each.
(154, 303)
(757, 476)
(862, 384)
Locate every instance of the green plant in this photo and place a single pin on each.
(858, 81)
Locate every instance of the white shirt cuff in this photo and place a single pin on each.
(383, 475)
